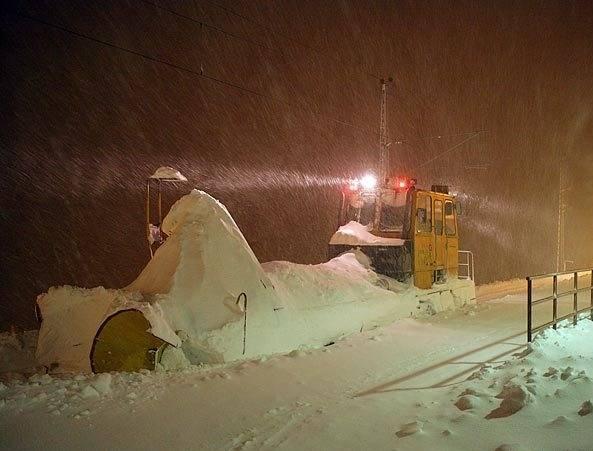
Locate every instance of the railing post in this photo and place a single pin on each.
(529, 299)
(555, 301)
(592, 295)
(575, 302)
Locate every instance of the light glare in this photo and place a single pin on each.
(368, 182)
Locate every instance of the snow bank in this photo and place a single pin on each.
(335, 299)
(355, 233)
(191, 293)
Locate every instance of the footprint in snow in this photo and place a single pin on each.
(566, 373)
(514, 398)
(467, 402)
(509, 447)
(586, 408)
(559, 421)
(410, 429)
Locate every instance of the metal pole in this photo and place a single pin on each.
(575, 301)
(383, 144)
(341, 214)
(529, 319)
(160, 205)
(555, 301)
(244, 296)
(148, 209)
(592, 295)
(561, 213)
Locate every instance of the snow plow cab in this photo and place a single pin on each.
(404, 231)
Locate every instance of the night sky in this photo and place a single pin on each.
(267, 106)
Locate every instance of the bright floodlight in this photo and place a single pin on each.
(368, 182)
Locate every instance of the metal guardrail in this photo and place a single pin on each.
(531, 302)
(468, 264)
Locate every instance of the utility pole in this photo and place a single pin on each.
(383, 135)
(383, 152)
(560, 250)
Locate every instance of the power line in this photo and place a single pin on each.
(291, 39)
(251, 41)
(212, 27)
(426, 138)
(239, 37)
(191, 71)
(454, 135)
(258, 44)
(234, 85)
(451, 149)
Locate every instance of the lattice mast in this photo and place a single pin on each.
(383, 135)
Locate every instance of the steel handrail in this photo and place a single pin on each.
(469, 263)
(563, 273)
(554, 298)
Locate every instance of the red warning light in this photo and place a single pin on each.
(404, 183)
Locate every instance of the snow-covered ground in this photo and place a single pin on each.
(454, 381)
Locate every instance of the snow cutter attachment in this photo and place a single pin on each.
(154, 233)
(123, 343)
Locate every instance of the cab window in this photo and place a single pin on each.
(438, 217)
(361, 209)
(450, 228)
(424, 214)
(393, 211)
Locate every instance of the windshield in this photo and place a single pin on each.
(361, 208)
(393, 211)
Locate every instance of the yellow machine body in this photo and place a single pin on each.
(435, 237)
(123, 343)
(425, 221)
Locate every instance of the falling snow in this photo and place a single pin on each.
(84, 124)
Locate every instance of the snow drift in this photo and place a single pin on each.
(191, 293)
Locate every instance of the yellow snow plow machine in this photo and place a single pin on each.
(404, 231)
